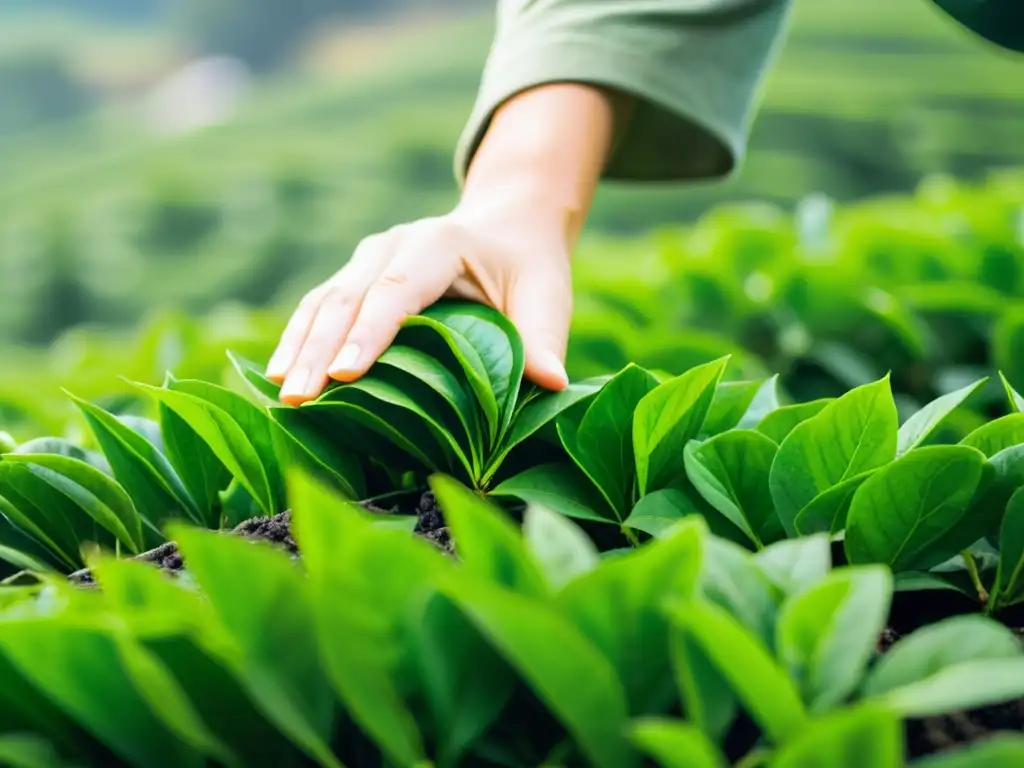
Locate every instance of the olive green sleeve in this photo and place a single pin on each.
(694, 65)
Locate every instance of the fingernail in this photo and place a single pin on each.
(296, 383)
(553, 365)
(346, 359)
(277, 365)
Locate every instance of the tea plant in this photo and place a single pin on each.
(531, 648)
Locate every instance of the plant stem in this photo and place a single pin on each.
(972, 570)
(630, 535)
(392, 494)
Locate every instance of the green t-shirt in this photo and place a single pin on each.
(694, 65)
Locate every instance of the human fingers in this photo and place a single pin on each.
(335, 312)
(539, 304)
(422, 269)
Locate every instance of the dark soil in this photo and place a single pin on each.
(277, 531)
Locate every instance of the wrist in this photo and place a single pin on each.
(544, 152)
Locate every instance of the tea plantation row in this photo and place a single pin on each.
(701, 574)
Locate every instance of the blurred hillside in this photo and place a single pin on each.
(116, 200)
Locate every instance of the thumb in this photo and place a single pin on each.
(540, 306)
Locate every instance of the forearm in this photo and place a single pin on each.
(547, 147)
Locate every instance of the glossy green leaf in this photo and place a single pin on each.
(498, 344)
(91, 490)
(900, 514)
(1013, 397)
(971, 684)
(999, 751)
(620, 608)
(140, 467)
(765, 401)
(731, 402)
(777, 424)
(998, 435)
(346, 555)
(933, 651)
(603, 443)
(261, 431)
(225, 439)
(675, 744)
(544, 408)
(254, 376)
(469, 361)
(919, 427)
(561, 548)
(31, 512)
(262, 603)
(827, 512)
(490, 546)
(848, 738)
(565, 670)
(852, 435)
(666, 419)
(731, 471)
(706, 697)
(78, 665)
(200, 470)
(734, 581)
(756, 678)
(312, 448)
(561, 487)
(1009, 584)
(26, 751)
(658, 512)
(827, 634)
(794, 565)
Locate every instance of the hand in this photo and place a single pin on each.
(512, 257)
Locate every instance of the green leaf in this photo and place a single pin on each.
(571, 676)
(1009, 584)
(201, 472)
(255, 378)
(467, 683)
(731, 402)
(900, 514)
(498, 344)
(658, 512)
(561, 487)
(312, 448)
(794, 565)
(919, 427)
(26, 751)
(471, 363)
(34, 516)
(969, 685)
(999, 751)
(346, 555)
(226, 439)
(707, 699)
(433, 374)
(731, 471)
(998, 435)
(78, 666)
(619, 607)
(827, 512)
(542, 409)
(733, 580)
(140, 468)
(262, 604)
(1012, 396)
(777, 424)
(490, 546)
(603, 443)
(561, 548)
(91, 490)
(923, 658)
(666, 419)
(849, 738)
(675, 744)
(765, 401)
(827, 634)
(852, 435)
(759, 682)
